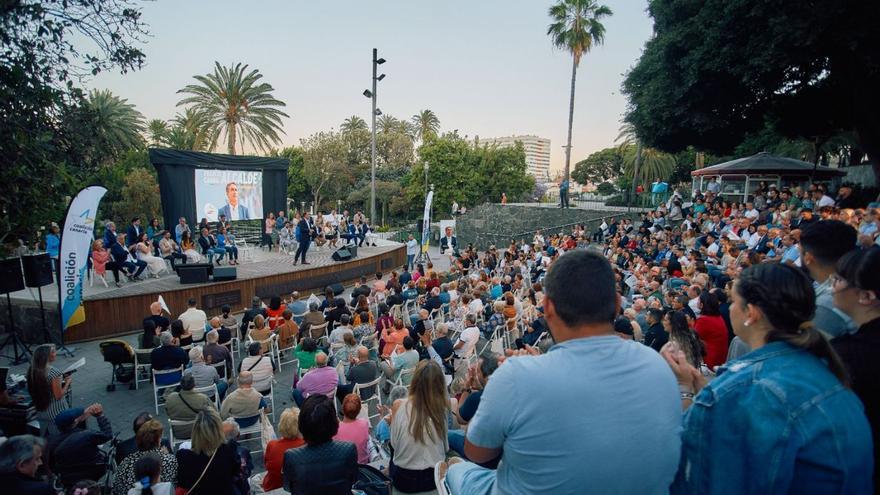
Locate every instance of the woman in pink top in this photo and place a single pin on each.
(352, 429)
(100, 257)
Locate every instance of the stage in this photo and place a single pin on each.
(116, 311)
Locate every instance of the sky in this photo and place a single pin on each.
(485, 67)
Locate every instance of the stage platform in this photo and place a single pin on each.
(116, 311)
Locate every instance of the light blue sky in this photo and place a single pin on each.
(485, 67)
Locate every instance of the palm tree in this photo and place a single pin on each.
(387, 123)
(352, 125)
(426, 124)
(640, 162)
(576, 27)
(189, 131)
(235, 104)
(157, 130)
(118, 124)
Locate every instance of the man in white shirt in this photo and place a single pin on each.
(751, 213)
(412, 249)
(713, 186)
(823, 199)
(467, 341)
(194, 321)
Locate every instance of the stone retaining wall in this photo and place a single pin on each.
(497, 224)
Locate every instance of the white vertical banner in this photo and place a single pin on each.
(77, 235)
(426, 226)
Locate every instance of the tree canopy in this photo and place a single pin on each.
(601, 166)
(718, 71)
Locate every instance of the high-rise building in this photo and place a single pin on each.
(537, 152)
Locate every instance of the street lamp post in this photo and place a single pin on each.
(376, 112)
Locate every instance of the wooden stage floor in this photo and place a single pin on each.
(115, 311)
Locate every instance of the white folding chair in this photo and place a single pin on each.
(175, 440)
(212, 392)
(245, 252)
(322, 326)
(92, 276)
(363, 390)
(281, 350)
(222, 370)
(404, 377)
(266, 343)
(252, 432)
(232, 345)
(158, 389)
(141, 364)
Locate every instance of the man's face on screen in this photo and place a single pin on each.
(232, 194)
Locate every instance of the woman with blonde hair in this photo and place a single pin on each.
(210, 466)
(419, 431)
(290, 438)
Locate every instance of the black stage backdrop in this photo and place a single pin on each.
(176, 170)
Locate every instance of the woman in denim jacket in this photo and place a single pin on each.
(781, 419)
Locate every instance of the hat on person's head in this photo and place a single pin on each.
(67, 417)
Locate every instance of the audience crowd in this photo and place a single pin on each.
(707, 346)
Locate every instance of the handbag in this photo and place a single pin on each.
(267, 432)
(183, 491)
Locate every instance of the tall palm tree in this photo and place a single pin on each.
(352, 125)
(190, 131)
(426, 124)
(237, 105)
(387, 123)
(157, 130)
(118, 124)
(640, 162)
(576, 27)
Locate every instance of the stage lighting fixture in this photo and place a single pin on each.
(380, 77)
(368, 93)
(380, 61)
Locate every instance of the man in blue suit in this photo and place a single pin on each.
(133, 232)
(122, 259)
(109, 235)
(304, 236)
(232, 210)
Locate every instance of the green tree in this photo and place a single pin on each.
(297, 185)
(118, 125)
(157, 132)
(139, 197)
(353, 125)
(48, 46)
(189, 131)
(426, 125)
(716, 72)
(576, 26)
(601, 166)
(325, 166)
(606, 189)
(237, 105)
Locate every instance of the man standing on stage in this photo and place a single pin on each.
(304, 236)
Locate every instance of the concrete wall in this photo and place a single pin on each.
(492, 223)
(860, 174)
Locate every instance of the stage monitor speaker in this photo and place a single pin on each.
(353, 250)
(37, 270)
(224, 273)
(10, 276)
(194, 273)
(337, 289)
(342, 254)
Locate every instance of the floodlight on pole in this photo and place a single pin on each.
(376, 112)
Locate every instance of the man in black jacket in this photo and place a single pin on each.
(304, 237)
(655, 336)
(122, 259)
(75, 451)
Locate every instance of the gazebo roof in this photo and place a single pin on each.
(765, 163)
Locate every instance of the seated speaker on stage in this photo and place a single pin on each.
(449, 242)
(209, 246)
(287, 238)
